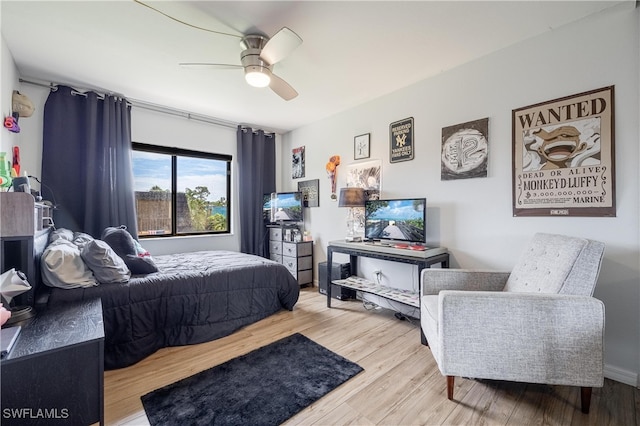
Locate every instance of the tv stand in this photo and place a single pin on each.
(421, 258)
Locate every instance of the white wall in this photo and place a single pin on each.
(8, 83)
(473, 217)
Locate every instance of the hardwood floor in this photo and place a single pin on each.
(401, 383)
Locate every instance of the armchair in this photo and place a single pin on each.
(537, 324)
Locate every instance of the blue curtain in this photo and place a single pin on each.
(86, 161)
(256, 177)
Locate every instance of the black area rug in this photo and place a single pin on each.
(264, 387)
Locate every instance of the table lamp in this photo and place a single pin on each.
(354, 199)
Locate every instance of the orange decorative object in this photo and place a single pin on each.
(332, 168)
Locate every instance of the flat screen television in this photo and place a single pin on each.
(401, 220)
(282, 207)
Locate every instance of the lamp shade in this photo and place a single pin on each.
(351, 197)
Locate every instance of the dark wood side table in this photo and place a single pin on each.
(55, 372)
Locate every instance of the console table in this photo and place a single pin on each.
(55, 372)
(421, 258)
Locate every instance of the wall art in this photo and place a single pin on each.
(361, 146)
(332, 173)
(563, 156)
(465, 150)
(367, 175)
(401, 140)
(310, 192)
(297, 162)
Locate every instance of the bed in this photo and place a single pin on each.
(193, 298)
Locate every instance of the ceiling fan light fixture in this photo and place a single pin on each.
(257, 76)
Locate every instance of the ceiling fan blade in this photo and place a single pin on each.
(208, 65)
(282, 88)
(280, 46)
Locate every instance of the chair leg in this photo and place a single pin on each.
(585, 397)
(450, 380)
(423, 338)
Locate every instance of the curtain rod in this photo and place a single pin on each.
(181, 113)
(149, 106)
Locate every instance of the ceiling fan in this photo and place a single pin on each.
(259, 54)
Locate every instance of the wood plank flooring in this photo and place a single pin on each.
(401, 384)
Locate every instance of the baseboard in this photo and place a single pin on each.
(619, 375)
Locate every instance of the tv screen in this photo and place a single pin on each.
(282, 207)
(399, 220)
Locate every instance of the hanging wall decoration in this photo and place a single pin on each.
(297, 163)
(367, 175)
(332, 174)
(401, 140)
(465, 150)
(563, 156)
(309, 190)
(361, 146)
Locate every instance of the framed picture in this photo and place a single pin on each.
(361, 148)
(563, 156)
(366, 175)
(310, 192)
(465, 150)
(401, 140)
(297, 162)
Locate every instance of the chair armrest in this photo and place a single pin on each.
(540, 338)
(435, 280)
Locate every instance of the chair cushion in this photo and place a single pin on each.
(430, 306)
(545, 264)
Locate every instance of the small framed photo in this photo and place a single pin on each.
(361, 148)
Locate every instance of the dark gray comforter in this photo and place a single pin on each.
(194, 298)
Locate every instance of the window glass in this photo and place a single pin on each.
(152, 184)
(202, 195)
(181, 192)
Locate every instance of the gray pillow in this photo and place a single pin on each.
(61, 234)
(80, 239)
(124, 245)
(62, 266)
(106, 265)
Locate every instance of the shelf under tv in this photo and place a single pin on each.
(421, 258)
(406, 297)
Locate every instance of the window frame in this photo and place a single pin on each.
(181, 152)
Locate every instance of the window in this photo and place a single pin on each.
(181, 192)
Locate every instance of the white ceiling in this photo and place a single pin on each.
(353, 51)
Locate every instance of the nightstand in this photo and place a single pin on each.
(55, 372)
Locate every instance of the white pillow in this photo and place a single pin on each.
(62, 266)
